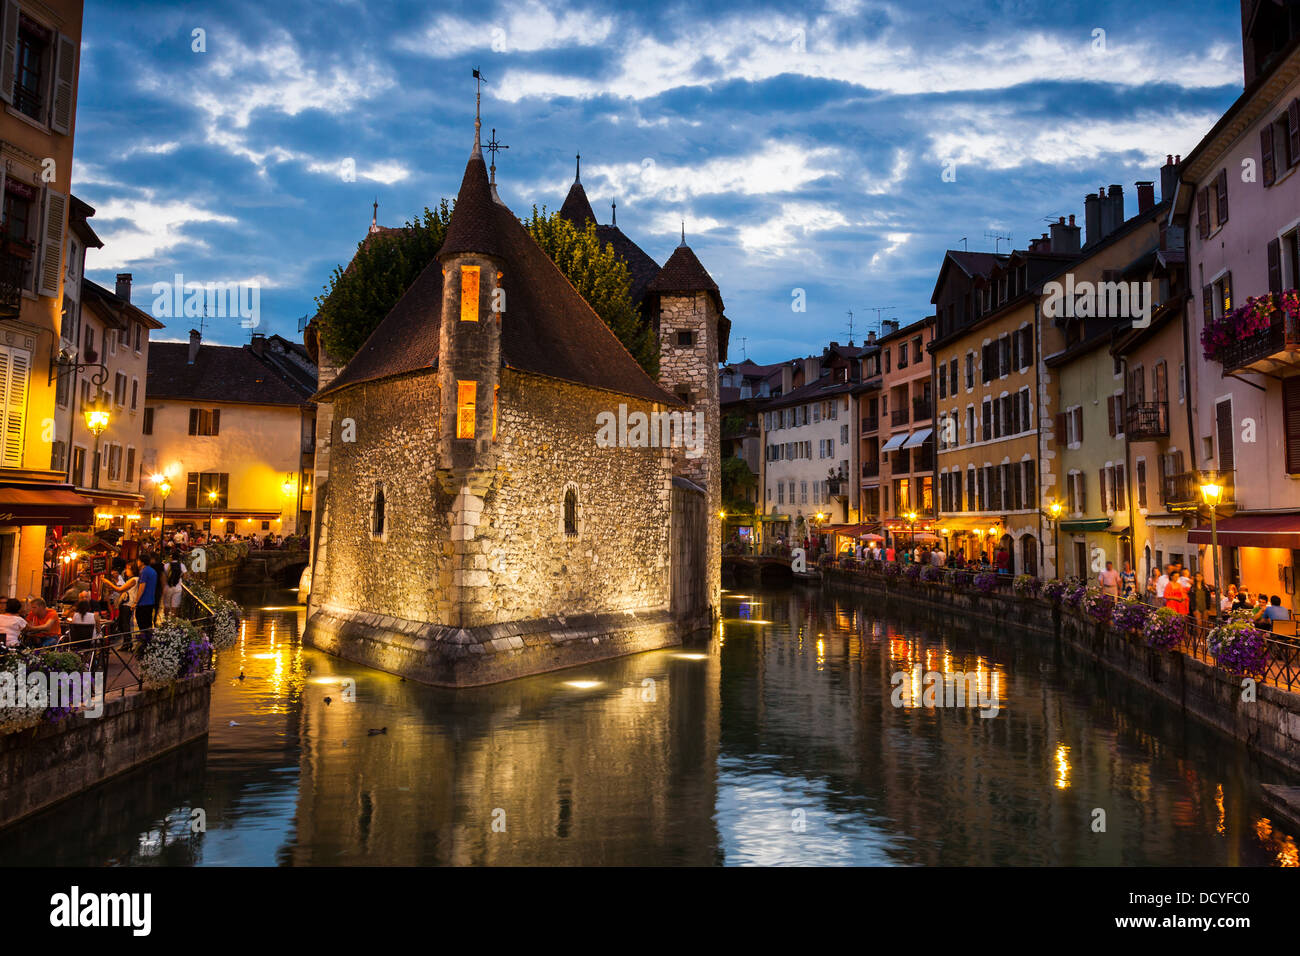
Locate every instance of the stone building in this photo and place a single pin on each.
(473, 525)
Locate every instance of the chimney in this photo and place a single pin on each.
(1112, 210)
(1169, 178)
(889, 326)
(1092, 217)
(195, 337)
(787, 378)
(1065, 237)
(1146, 190)
(812, 369)
(258, 344)
(124, 286)
(871, 337)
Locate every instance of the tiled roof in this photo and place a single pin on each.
(684, 273)
(547, 329)
(114, 309)
(639, 265)
(220, 373)
(576, 208)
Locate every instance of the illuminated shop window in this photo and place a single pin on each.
(469, 276)
(465, 399)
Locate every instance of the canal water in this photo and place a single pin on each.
(777, 743)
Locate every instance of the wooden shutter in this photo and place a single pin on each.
(56, 207)
(194, 421)
(1221, 187)
(192, 489)
(1275, 265)
(15, 369)
(1110, 415)
(1203, 213)
(1078, 424)
(1266, 154)
(1162, 472)
(1293, 120)
(1121, 501)
(216, 422)
(1223, 423)
(1207, 303)
(1291, 422)
(1160, 381)
(1061, 435)
(1017, 476)
(9, 51)
(1015, 350)
(65, 84)
(1141, 480)
(1103, 500)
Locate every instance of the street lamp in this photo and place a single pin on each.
(164, 488)
(212, 503)
(1054, 512)
(911, 529)
(97, 421)
(993, 530)
(1210, 494)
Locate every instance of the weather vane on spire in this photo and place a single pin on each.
(577, 167)
(492, 148)
(683, 232)
(478, 90)
(613, 213)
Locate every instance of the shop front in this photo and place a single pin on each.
(1257, 551)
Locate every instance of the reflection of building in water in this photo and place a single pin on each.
(616, 773)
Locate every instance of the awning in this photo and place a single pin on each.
(895, 442)
(29, 506)
(1086, 524)
(969, 524)
(918, 438)
(1164, 521)
(1253, 531)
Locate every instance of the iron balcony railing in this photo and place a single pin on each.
(922, 408)
(870, 469)
(899, 416)
(870, 425)
(1182, 492)
(1146, 420)
(1278, 344)
(15, 258)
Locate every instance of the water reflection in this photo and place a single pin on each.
(778, 743)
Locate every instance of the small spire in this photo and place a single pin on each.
(577, 168)
(492, 148)
(683, 232)
(374, 219)
(478, 123)
(613, 213)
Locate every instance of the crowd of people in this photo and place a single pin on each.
(933, 555)
(1189, 593)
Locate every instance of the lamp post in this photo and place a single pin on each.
(97, 421)
(164, 488)
(993, 530)
(943, 533)
(1054, 511)
(212, 504)
(1211, 492)
(911, 530)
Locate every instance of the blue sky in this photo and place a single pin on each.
(804, 146)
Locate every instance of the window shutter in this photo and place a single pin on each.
(194, 421)
(1060, 427)
(1141, 473)
(65, 84)
(192, 489)
(1110, 415)
(1162, 472)
(1275, 265)
(1207, 303)
(1203, 213)
(9, 53)
(216, 421)
(1266, 154)
(56, 207)
(1291, 423)
(1121, 501)
(1223, 421)
(1102, 484)
(1017, 475)
(1078, 424)
(1293, 120)
(1222, 188)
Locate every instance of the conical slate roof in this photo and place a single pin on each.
(547, 328)
(683, 273)
(576, 208)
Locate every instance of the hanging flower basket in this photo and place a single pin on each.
(1255, 316)
(1129, 615)
(1026, 585)
(1054, 590)
(1238, 646)
(1164, 628)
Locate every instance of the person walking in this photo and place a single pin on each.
(146, 600)
(1109, 580)
(1162, 584)
(1128, 580)
(1201, 600)
(1175, 596)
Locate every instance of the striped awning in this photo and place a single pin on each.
(895, 442)
(1253, 531)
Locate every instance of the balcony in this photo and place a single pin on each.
(923, 460)
(922, 408)
(900, 463)
(1147, 420)
(15, 258)
(871, 469)
(899, 416)
(870, 425)
(1268, 351)
(1182, 492)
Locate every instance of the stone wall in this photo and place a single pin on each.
(1269, 726)
(40, 767)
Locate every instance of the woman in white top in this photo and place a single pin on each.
(12, 622)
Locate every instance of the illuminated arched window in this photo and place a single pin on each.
(571, 512)
(377, 512)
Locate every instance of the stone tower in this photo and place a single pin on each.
(687, 310)
(469, 367)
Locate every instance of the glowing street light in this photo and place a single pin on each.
(163, 488)
(212, 504)
(1054, 514)
(1211, 492)
(97, 420)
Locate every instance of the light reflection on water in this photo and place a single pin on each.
(776, 744)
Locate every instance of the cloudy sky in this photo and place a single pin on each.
(804, 147)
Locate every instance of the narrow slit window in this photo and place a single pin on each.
(465, 406)
(469, 276)
(571, 512)
(377, 521)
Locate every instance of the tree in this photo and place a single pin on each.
(358, 297)
(737, 481)
(601, 278)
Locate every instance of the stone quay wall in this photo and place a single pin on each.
(51, 762)
(1269, 726)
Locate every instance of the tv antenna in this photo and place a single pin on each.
(850, 314)
(997, 238)
(744, 355)
(964, 246)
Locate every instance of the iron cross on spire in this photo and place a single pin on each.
(492, 148)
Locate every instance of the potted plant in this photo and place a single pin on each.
(1164, 628)
(1027, 585)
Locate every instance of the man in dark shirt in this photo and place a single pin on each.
(146, 601)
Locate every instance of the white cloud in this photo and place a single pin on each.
(894, 242)
(385, 171)
(796, 222)
(757, 48)
(136, 230)
(527, 28)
